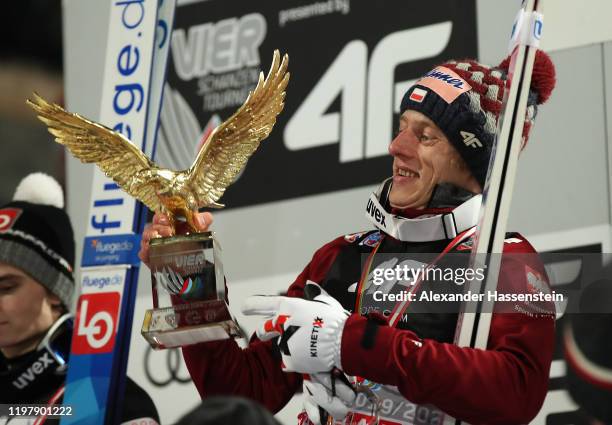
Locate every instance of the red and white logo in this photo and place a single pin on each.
(418, 95)
(96, 320)
(8, 217)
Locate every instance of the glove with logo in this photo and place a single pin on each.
(310, 332)
(327, 394)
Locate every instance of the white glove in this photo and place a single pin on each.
(310, 331)
(322, 397)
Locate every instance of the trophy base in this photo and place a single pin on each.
(191, 323)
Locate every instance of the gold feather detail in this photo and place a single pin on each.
(222, 156)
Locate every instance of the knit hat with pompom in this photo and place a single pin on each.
(464, 99)
(36, 235)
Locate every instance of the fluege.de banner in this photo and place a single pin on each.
(350, 64)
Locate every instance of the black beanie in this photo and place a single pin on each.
(36, 235)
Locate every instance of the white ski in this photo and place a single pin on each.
(473, 328)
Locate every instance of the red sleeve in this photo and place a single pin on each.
(223, 368)
(505, 384)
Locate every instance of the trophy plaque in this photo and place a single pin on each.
(187, 270)
(189, 303)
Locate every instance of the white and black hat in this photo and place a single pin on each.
(36, 235)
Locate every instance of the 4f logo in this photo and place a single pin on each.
(367, 92)
(96, 322)
(469, 139)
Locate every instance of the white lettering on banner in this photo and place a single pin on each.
(124, 105)
(124, 108)
(218, 47)
(313, 10)
(310, 126)
(349, 76)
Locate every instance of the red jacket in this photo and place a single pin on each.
(505, 384)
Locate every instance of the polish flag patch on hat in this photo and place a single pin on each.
(445, 82)
(418, 95)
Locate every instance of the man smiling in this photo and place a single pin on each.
(441, 152)
(423, 157)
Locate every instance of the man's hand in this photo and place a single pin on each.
(327, 394)
(160, 227)
(310, 332)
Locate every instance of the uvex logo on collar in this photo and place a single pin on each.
(375, 213)
(8, 217)
(438, 227)
(445, 83)
(36, 368)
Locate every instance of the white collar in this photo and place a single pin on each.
(438, 227)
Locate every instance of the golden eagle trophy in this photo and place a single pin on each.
(186, 269)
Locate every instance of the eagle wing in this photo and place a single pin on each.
(229, 146)
(92, 142)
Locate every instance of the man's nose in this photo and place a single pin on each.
(404, 143)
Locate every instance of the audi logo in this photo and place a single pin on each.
(173, 371)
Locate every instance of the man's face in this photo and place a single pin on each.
(26, 311)
(422, 158)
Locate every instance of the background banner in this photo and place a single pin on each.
(350, 61)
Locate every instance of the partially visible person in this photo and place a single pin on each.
(228, 410)
(36, 293)
(587, 340)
